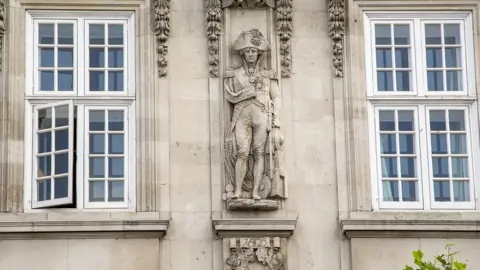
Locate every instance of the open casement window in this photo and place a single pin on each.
(53, 161)
(80, 105)
(423, 110)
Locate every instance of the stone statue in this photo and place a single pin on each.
(253, 138)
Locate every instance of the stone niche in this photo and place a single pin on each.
(265, 253)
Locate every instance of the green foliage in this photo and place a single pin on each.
(440, 262)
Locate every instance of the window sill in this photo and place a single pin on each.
(82, 225)
(412, 225)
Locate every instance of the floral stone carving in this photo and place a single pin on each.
(161, 24)
(254, 142)
(336, 28)
(264, 252)
(3, 28)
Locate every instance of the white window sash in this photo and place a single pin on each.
(69, 198)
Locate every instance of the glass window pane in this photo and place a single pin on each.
(385, 80)
(45, 118)
(61, 116)
(116, 167)
(405, 121)
(97, 167)
(44, 166)
(97, 80)
(440, 167)
(433, 34)
(408, 167)
(96, 120)
(441, 191)
(115, 143)
(437, 120)
(47, 58)
(439, 143)
(97, 143)
(115, 81)
(451, 33)
(456, 120)
(461, 191)
(115, 34)
(401, 34)
(115, 191)
(409, 191)
(65, 33)
(403, 80)
(387, 120)
(61, 187)
(44, 142)
(44, 190)
(61, 163)
(383, 34)
(434, 58)
(97, 57)
(46, 80)
(46, 33)
(97, 34)
(65, 57)
(390, 191)
(459, 167)
(435, 80)
(96, 191)
(389, 167)
(388, 144)
(402, 57)
(65, 80)
(454, 81)
(115, 120)
(458, 143)
(61, 139)
(407, 144)
(453, 57)
(384, 58)
(115, 57)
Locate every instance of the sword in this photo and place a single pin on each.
(270, 139)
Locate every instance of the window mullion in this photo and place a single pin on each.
(425, 157)
(419, 52)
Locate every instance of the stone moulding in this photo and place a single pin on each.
(254, 227)
(214, 28)
(336, 28)
(161, 27)
(3, 28)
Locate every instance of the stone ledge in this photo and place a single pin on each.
(413, 228)
(95, 225)
(226, 228)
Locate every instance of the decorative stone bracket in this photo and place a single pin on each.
(336, 28)
(3, 28)
(267, 252)
(161, 27)
(214, 28)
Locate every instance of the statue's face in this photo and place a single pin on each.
(251, 55)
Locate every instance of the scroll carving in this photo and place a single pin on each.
(265, 252)
(213, 28)
(3, 28)
(336, 27)
(161, 24)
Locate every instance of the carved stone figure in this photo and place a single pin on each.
(253, 138)
(262, 251)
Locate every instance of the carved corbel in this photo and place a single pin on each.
(336, 27)
(214, 28)
(267, 252)
(3, 28)
(161, 27)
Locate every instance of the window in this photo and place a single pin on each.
(423, 110)
(80, 110)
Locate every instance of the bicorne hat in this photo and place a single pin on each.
(251, 39)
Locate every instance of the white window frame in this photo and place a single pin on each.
(81, 99)
(422, 100)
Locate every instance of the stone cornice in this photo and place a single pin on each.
(254, 227)
(96, 225)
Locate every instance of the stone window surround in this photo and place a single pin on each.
(152, 186)
(357, 218)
